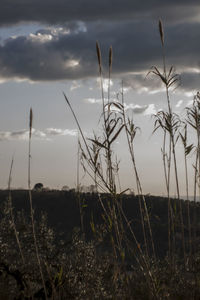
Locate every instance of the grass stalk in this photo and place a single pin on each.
(130, 134)
(78, 186)
(31, 204)
(169, 78)
(187, 150)
(11, 212)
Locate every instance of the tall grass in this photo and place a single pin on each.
(98, 154)
(31, 204)
(193, 119)
(115, 121)
(11, 212)
(187, 150)
(170, 123)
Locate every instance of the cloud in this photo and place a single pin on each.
(105, 83)
(44, 135)
(142, 83)
(190, 81)
(59, 11)
(139, 109)
(179, 103)
(61, 54)
(151, 110)
(75, 85)
(67, 51)
(56, 131)
(93, 101)
(190, 102)
(21, 135)
(135, 108)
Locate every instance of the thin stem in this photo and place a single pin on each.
(171, 132)
(11, 212)
(188, 207)
(139, 187)
(31, 204)
(78, 186)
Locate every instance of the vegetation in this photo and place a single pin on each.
(128, 247)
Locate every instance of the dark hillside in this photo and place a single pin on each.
(63, 215)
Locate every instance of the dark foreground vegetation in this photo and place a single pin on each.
(80, 263)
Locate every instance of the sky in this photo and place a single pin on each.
(49, 47)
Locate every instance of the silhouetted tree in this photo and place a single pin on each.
(65, 188)
(38, 186)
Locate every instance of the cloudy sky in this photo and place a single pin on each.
(48, 47)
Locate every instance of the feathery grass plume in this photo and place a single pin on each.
(109, 76)
(161, 32)
(98, 56)
(110, 58)
(30, 122)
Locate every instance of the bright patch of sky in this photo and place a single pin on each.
(18, 30)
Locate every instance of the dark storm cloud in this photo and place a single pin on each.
(69, 52)
(190, 81)
(59, 11)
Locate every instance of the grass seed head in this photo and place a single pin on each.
(110, 58)
(98, 55)
(161, 32)
(30, 121)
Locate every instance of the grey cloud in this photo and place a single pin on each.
(56, 131)
(137, 109)
(179, 103)
(39, 134)
(93, 101)
(141, 109)
(60, 11)
(142, 82)
(20, 135)
(190, 81)
(59, 54)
